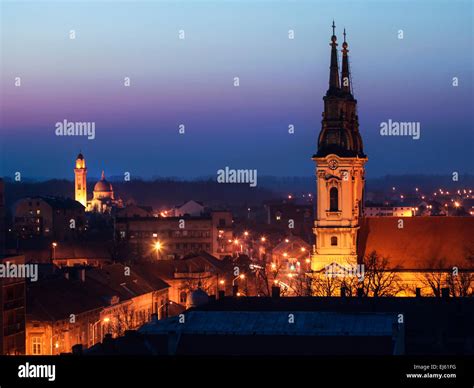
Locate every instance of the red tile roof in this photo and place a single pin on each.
(420, 241)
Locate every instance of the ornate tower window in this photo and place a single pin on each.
(333, 199)
(334, 241)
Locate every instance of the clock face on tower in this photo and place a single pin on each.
(333, 164)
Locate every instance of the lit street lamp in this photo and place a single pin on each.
(54, 245)
(158, 247)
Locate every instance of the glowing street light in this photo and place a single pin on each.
(273, 265)
(303, 249)
(54, 245)
(246, 233)
(263, 239)
(158, 246)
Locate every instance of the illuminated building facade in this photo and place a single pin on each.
(103, 194)
(340, 172)
(80, 181)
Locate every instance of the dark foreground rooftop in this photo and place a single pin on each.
(307, 326)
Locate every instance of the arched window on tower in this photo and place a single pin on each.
(333, 200)
(334, 241)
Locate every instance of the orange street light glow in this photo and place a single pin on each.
(158, 246)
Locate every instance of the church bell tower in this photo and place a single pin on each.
(340, 172)
(80, 181)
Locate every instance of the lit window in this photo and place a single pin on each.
(36, 345)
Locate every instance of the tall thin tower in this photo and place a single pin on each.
(340, 171)
(80, 173)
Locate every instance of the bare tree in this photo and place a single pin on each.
(380, 279)
(460, 283)
(437, 278)
(121, 320)
(325, 284)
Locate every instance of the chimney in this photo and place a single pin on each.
(360, 292)
(445, 292)
(221, 294)
(275, 292)
(418, 292)
(343, 291)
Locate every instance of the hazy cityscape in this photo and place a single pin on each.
(186, 201)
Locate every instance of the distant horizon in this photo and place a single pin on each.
(119, 178)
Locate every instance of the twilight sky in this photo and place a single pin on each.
(190, 82)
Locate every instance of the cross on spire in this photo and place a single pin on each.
(344, 34)
(333, 28)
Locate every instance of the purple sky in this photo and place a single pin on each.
(190, 82)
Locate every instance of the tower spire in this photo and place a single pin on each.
(345, 73)
(334, 68)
